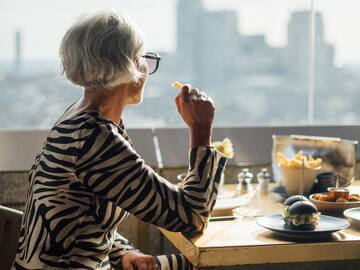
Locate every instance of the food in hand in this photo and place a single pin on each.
(225, 147)
(296, 161)
(177, 85)
(301, 215)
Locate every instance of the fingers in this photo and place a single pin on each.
(128, 266)
(195, 92)
(192, 94)
(186, 92)
(146, 262)
(177, 102)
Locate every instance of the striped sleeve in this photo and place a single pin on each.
(110, 167)
(120, 247)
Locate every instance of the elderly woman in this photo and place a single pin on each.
(88, 176)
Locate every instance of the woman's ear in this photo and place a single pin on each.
(141, 65)
(137, 62)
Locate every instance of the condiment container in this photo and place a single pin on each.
(335, 193)
(244, 178)
(263, 178)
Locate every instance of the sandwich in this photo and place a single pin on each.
(302, 215)
(289, 201)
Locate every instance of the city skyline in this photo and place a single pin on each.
(252, 81)
(53, 21)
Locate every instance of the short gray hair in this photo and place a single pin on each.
(99, 50)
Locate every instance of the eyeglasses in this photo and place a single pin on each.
(152, 60)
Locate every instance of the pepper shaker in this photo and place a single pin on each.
(264, 179)
(244, 178)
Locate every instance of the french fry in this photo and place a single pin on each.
(177, 85)
(282, 159)
(297, 161)
(315, 163)
(299, 155)
(225, 147)
(296, 164)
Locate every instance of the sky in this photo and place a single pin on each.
(43, 22)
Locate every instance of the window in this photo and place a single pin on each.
(280, 62)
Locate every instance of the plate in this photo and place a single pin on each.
(327, 225)
(227, 205)
(332, 206)
(353, 214)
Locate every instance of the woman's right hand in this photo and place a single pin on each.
(197, 110)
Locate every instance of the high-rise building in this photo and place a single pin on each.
(207, 42)
(189, 16)
(298, 49)
(211, 50)
(18, 52)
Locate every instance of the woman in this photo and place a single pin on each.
(88, 176)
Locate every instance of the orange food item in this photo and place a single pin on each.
(341, 200)
(336, 193)
(354, 198)
(328, 197)
(323, 197)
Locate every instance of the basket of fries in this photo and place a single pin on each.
(296, 170)
(323, 154)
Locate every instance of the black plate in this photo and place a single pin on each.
(327, 225)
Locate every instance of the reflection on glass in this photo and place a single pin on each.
(251, 56)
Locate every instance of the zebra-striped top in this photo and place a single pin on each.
(86, 180)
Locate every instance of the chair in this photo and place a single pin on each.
(10, 222)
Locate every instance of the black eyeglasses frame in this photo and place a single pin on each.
(155, 56)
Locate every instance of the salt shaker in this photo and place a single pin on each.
(244, 177)
(264, 179)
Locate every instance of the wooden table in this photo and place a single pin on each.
(243, 242)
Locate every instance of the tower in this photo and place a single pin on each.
(299, 35)
(18, 52)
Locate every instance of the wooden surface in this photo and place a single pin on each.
(243, 242)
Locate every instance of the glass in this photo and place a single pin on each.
(152, 60)
(251, 56)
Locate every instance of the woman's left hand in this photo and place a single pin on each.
(134, 260)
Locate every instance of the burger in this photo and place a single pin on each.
(299, 213)
(293, 199)
(289, 201)
(302, 215)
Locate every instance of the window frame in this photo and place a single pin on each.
(168, 147)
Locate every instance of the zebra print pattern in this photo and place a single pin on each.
(86, 180)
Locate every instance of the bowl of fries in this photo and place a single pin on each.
(297, 169)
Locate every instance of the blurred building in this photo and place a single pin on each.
(209, 45)
(18, 52)
(298, 50)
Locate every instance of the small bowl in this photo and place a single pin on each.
(291, 179)
(332, 206)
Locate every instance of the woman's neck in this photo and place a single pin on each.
(109, 102)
